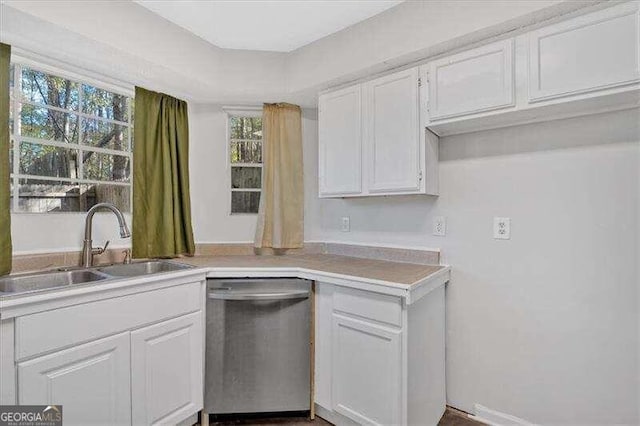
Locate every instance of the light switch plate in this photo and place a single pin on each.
(501, 228)
(345, 224)
(439, 226)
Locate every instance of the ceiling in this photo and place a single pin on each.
(270, 25)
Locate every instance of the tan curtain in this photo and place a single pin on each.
(281, 214)
(161, 203)
(5, 215)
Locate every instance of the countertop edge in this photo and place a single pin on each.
(411, 292)
(27, 304)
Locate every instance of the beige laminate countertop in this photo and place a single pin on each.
(382, 270)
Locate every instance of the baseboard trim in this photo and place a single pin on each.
(496, 418)
(333, 417)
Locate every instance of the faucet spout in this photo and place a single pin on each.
(87, 250)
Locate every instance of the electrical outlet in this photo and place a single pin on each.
(439, 226)
(501, 228)
(345, 224)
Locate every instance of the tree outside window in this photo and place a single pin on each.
(70, 145)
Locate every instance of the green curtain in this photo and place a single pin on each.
(5, 189)
(161, 203)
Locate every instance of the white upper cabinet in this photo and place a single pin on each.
(591, 52)
(340, 142)
(393, 143)
(372, 139)
(477, 80)
(584, 65)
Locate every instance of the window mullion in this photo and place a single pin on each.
(17, 123)
(80, 167)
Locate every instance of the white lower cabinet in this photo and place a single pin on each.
(367, 377)
(90, 381)
(166, 370)
(135, 359)
(379, 360)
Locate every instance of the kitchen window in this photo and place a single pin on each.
(70, 143)
(245, 158)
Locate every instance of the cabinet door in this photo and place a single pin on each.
(167, 370)
(473, 81)
(91, 381)
(340, 142)
(367, 373)
(592, 52)
(393, 136)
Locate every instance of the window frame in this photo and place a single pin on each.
(18, 63)
(246, 111)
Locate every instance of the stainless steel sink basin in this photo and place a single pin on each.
(142, 268)
(41, 281)
(45, 281)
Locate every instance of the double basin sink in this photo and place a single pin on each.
(30, 283)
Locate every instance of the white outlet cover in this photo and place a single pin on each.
(345, 224)
(439, 226)
(501, 228)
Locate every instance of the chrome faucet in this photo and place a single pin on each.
(87, 250)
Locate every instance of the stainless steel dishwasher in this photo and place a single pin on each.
(258, 346)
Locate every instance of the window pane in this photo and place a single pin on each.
(51, 161)
(44, 123)
(47, 89)
(98, 166)
(38, 196)
(105, 104)
(104, 135)
(246, 151)
(104, 193)
(246, 177)
(246, 127)
(245, 202)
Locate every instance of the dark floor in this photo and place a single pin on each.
(451, 417)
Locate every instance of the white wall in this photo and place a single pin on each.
(45, 233)
(409, 32)
(544, 326)
(126, 42)
(211, 179)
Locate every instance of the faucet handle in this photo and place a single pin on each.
(100, 250)
(127, 256)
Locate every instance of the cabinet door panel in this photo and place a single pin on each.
(340, 142)
(91, 381)
(393, 134)
(591, 52)
(367, 373)
(474, 81)
(167, 370)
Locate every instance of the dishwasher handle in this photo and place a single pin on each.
(280, 295)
